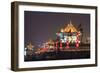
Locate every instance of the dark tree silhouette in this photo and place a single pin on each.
(81, 30)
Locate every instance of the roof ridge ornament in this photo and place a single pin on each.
(70, 22)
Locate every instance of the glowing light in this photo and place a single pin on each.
(62, 30)
(69, 39)
(25, 51)
(67, 44)
(77, 42)
(77, 45)
(61, 35)
(60, 45)
(57, 34)
(30, 46)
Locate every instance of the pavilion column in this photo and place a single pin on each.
(56, 45)
(67, 44)
(60, 45)
(77, 42)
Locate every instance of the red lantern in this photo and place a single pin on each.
(77, 43)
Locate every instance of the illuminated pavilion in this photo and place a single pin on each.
(69, 34)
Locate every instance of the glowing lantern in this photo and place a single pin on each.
(77, 43)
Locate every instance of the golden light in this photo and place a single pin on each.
(62, 30)
(30, 46)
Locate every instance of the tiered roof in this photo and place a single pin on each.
(69, 28)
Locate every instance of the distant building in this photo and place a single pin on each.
(29, 49)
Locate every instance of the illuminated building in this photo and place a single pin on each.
(50, 44)
(69, 34)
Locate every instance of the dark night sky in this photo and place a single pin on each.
(41, 26)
